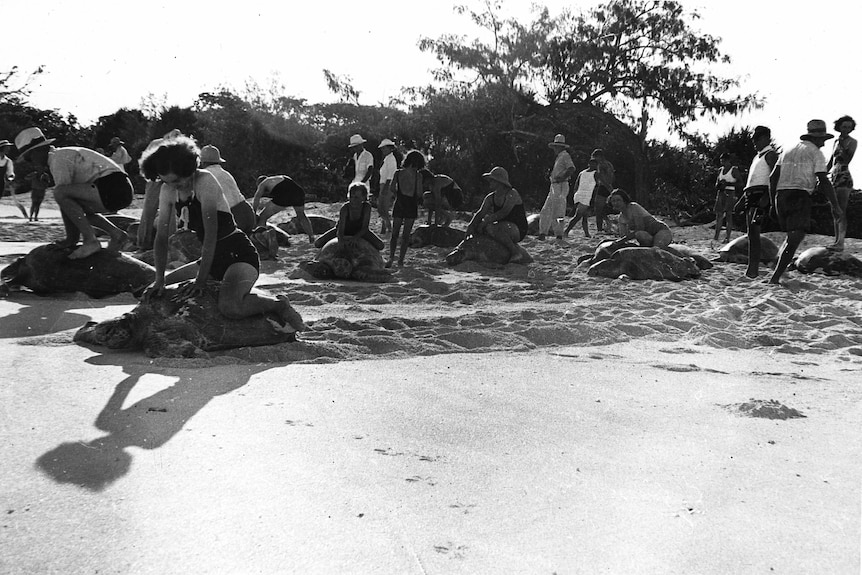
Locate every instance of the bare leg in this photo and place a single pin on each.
(235, 300)
(753, 246)
(118, 236)
(600, 203)
(843, 195)
(507, 234)
(405, 240)
(326, 237)
(269, 210)
(305, 223)
(78, 201)
(794, 238)
(393, 241)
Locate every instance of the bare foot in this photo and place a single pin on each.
(86, 250)
(67, 243)
(290, 315)
(120, 243)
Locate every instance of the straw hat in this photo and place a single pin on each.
(559, 142)
(386, 142)
(498, 174)
(211, 155)
(29, 139)
(816, 129)
(356, 140)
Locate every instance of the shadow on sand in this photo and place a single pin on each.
(148, 424)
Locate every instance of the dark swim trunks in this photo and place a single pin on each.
(115, 191)
(287, 193)
(794, 209)
(235, 248)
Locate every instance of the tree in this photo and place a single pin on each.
(15, 90)
(631, 57)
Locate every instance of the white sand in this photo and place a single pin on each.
(522, 420)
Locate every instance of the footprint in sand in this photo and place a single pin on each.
(388, 451)
(296, 423)
(419, 479)
(465, 508)
(449, 548)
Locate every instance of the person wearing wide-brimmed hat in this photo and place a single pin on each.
(755, 195)
(7, 174)
(86, 185)
(554, 209)
(119, 154)
(242, 211)
(363, 161)
(798, 172)
(388, 167)
(501, 215)
(839, 173)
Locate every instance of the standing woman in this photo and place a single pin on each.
(227, 255)
(638, 224)
(728, 180)
(839, 173)
(407, 184)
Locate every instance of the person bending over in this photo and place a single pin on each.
(636, 223)
(227, 255)
(353, 219)
(283, 193)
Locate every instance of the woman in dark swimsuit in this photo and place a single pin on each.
(502, 215)
(353, 219)
(407, 184)
(227, 254)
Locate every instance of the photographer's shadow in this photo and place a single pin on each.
(148, 424)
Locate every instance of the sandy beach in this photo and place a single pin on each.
(527, 419)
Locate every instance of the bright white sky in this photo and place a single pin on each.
(101, 56)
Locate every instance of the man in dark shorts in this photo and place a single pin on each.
(796, 175)
(86, 185)
(283, 193)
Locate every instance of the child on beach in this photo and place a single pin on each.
(353, 219)
(585, 187)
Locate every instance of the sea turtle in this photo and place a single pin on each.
(353, 258)
(736, 252)
(832, 262)
(645, 264)
(47, 269)
(163, 327)
(603, 251)
(319, 225)
(685, 251)
(485, 250)
(440, 236)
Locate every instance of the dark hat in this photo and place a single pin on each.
(498, 174)
(816, 129)
(761, 131)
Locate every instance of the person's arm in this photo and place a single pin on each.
(369, 170)
(829, 192)
(773, 185)
(366, 219)
(341, 226)
(148, 214)
(477, 221)
(208, 191)
(566, 175)
(258, 194)
(850, 150)
(10, 169)
(166, 201)
(508, 204)
(737, 176)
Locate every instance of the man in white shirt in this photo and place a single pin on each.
(387, 172)
(119, 154)
(243, 213)
(363, 161)
(796, 175)
(554, 211)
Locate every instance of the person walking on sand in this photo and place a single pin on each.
(726, 184)
(387, 172)
(242, 211)
(227, 255)
(283, 193)
(796, 175)
(353, 219)
(7, 176)
(407, 185)
(839, 173)
(86, 185)
(585, 187)
(756, 194)
(554, 210)
(501, 215)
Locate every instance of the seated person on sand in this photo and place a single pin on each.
(283, 193)
(501, 215)
(227, 255)
(636, 223)
(439, 189)
(86, 185)
(353, 219)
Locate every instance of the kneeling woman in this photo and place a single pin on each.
(638, 224)
(227, 254)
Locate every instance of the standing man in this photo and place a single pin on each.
(119, 154)
(363, 161)
(387, 172)
(283, 193)
(243, 213)
(756, 194)
(86, 185)
(604, 186)
(7, 176)
(554, 211)
(797, 173)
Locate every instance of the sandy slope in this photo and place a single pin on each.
(522, 420)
